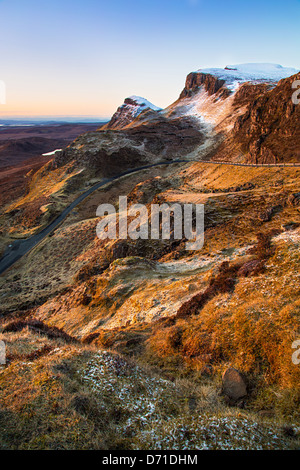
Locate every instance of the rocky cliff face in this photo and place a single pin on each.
(249, 108)
(269, 131)
(232, 77)
(210, 83)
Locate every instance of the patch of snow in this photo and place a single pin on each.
(51, 153)
(132, 107)
(143, 103)
(236, 74)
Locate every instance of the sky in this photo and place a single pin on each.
(84, 57)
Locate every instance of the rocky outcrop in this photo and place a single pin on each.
(109, 152)
(249, 109)
(210, 83)
(132, 108)
(226, 81)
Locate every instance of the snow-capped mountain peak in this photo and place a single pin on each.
(252, 72)
(132, 107)
(142, 102)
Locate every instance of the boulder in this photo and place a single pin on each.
(234, 386)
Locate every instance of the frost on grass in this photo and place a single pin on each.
(154, 418)
(213, 433)
(126, 387)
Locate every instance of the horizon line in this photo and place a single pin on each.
(53, 116)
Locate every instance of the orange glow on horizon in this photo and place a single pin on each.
(56, 109)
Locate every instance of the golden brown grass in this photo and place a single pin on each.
(252, 329)
(75, 397)
(249, 319)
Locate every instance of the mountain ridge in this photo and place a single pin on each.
(213, 103)
(256, 123)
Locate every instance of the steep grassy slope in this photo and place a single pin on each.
(187, 314)
(60, 396)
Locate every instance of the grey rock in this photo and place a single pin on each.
(234, 386)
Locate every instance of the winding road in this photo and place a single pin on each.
(19, 248)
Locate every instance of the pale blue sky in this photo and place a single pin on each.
(83, 57)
